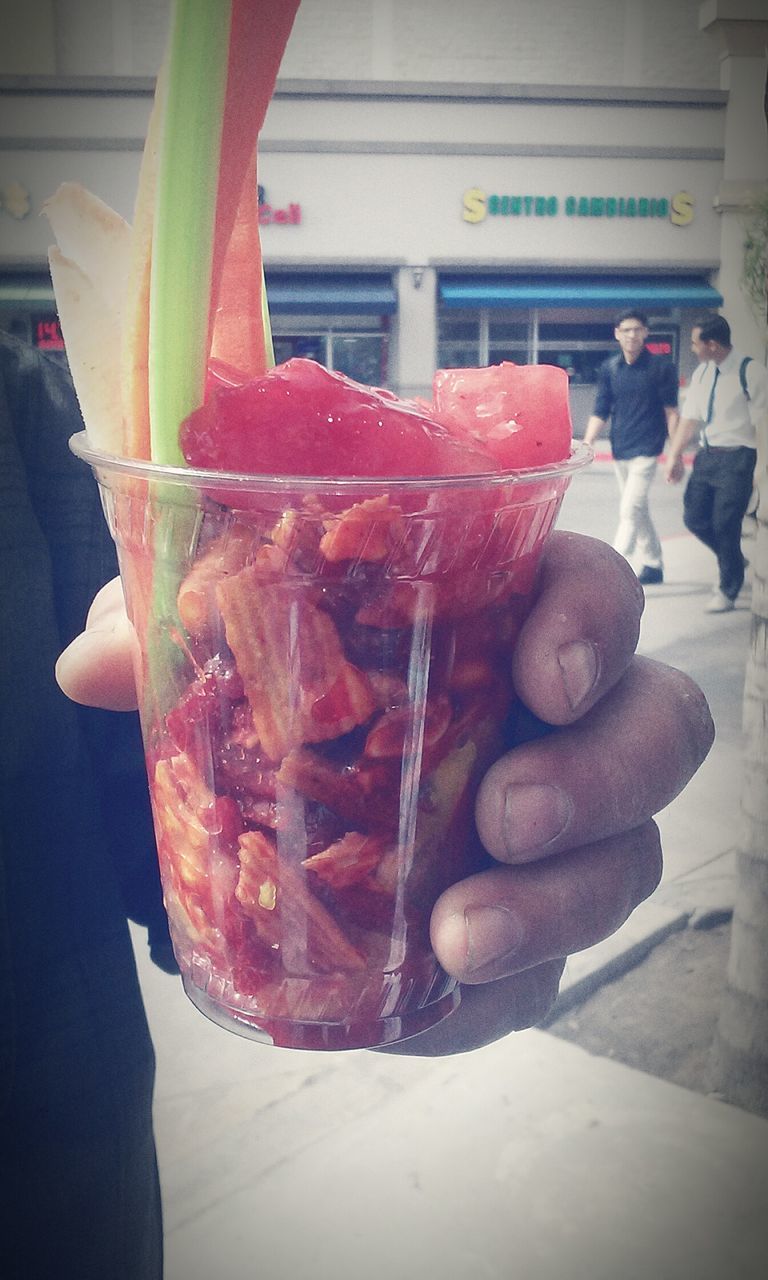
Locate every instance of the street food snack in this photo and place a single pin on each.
(326, 582)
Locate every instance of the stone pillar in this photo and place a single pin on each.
(414, 355)
(741, 29)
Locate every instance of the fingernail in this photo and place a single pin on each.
(580, 666)
(494, 934)
(535, 814)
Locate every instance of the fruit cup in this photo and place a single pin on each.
(324, 675)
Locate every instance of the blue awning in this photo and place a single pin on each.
(331, 294)
(20, 293)
(577, 291)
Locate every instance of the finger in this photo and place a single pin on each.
(622, 763)
(96, 669)
(108, 605)
(582, 631)
(488, 1012)
(510, 919)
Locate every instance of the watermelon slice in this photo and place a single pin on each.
(519, 414)
(301, 418)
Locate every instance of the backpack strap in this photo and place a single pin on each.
(743, 375)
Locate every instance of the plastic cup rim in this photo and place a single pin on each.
(580, 455)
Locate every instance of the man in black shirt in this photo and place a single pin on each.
(638, 392)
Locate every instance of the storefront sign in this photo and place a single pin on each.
(269, 216)
(47, 333)
(479, 205)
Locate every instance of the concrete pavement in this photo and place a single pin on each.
(700, 829)
(527, 1160)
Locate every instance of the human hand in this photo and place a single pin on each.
(674, 470)
(96, 669)
(567, 817)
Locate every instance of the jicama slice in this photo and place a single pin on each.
(93, 236)
(135, 351)
(90, 328)
(89, 270)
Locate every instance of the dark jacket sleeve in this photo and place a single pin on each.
(66, 517)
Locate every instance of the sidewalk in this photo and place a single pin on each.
(700, 829)
(527, 1160)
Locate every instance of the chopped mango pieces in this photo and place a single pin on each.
(287, 915)
(347, 861)
(299, 683)
(196, 601)
(366, 531)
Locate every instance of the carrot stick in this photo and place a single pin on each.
(239, 330)
(259, 34)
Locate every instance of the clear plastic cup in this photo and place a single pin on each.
(324, 675)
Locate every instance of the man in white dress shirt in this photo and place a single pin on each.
(727, 397)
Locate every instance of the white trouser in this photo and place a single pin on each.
(636, 534)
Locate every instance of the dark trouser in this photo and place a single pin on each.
(714, 505)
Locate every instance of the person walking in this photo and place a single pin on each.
(638, 393)
(727, 397)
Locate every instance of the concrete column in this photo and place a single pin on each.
(741, 29)
(414, 356)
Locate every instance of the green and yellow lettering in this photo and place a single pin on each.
(474, 205)
(682, 209)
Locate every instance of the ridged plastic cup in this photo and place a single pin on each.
(324, 676)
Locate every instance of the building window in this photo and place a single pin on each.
(577, 341)
(359, 349)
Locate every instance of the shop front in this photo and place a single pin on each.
(564, 320)
(341, 320)
(387, 256)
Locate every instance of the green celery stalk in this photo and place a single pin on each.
(182, 252)
(185, 217)
(269, 349)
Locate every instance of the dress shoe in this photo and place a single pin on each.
(650, 576)
(718, 603)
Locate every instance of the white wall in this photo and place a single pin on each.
(589, 42)
(383, 180)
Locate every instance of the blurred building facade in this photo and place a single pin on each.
(441, 184)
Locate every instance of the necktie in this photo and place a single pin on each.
(711, 405)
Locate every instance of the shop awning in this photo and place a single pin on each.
(20, 294)
(331, 294)
(288, 294)
(577, 291)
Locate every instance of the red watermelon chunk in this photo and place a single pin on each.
(519, 414)
(300, 418)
